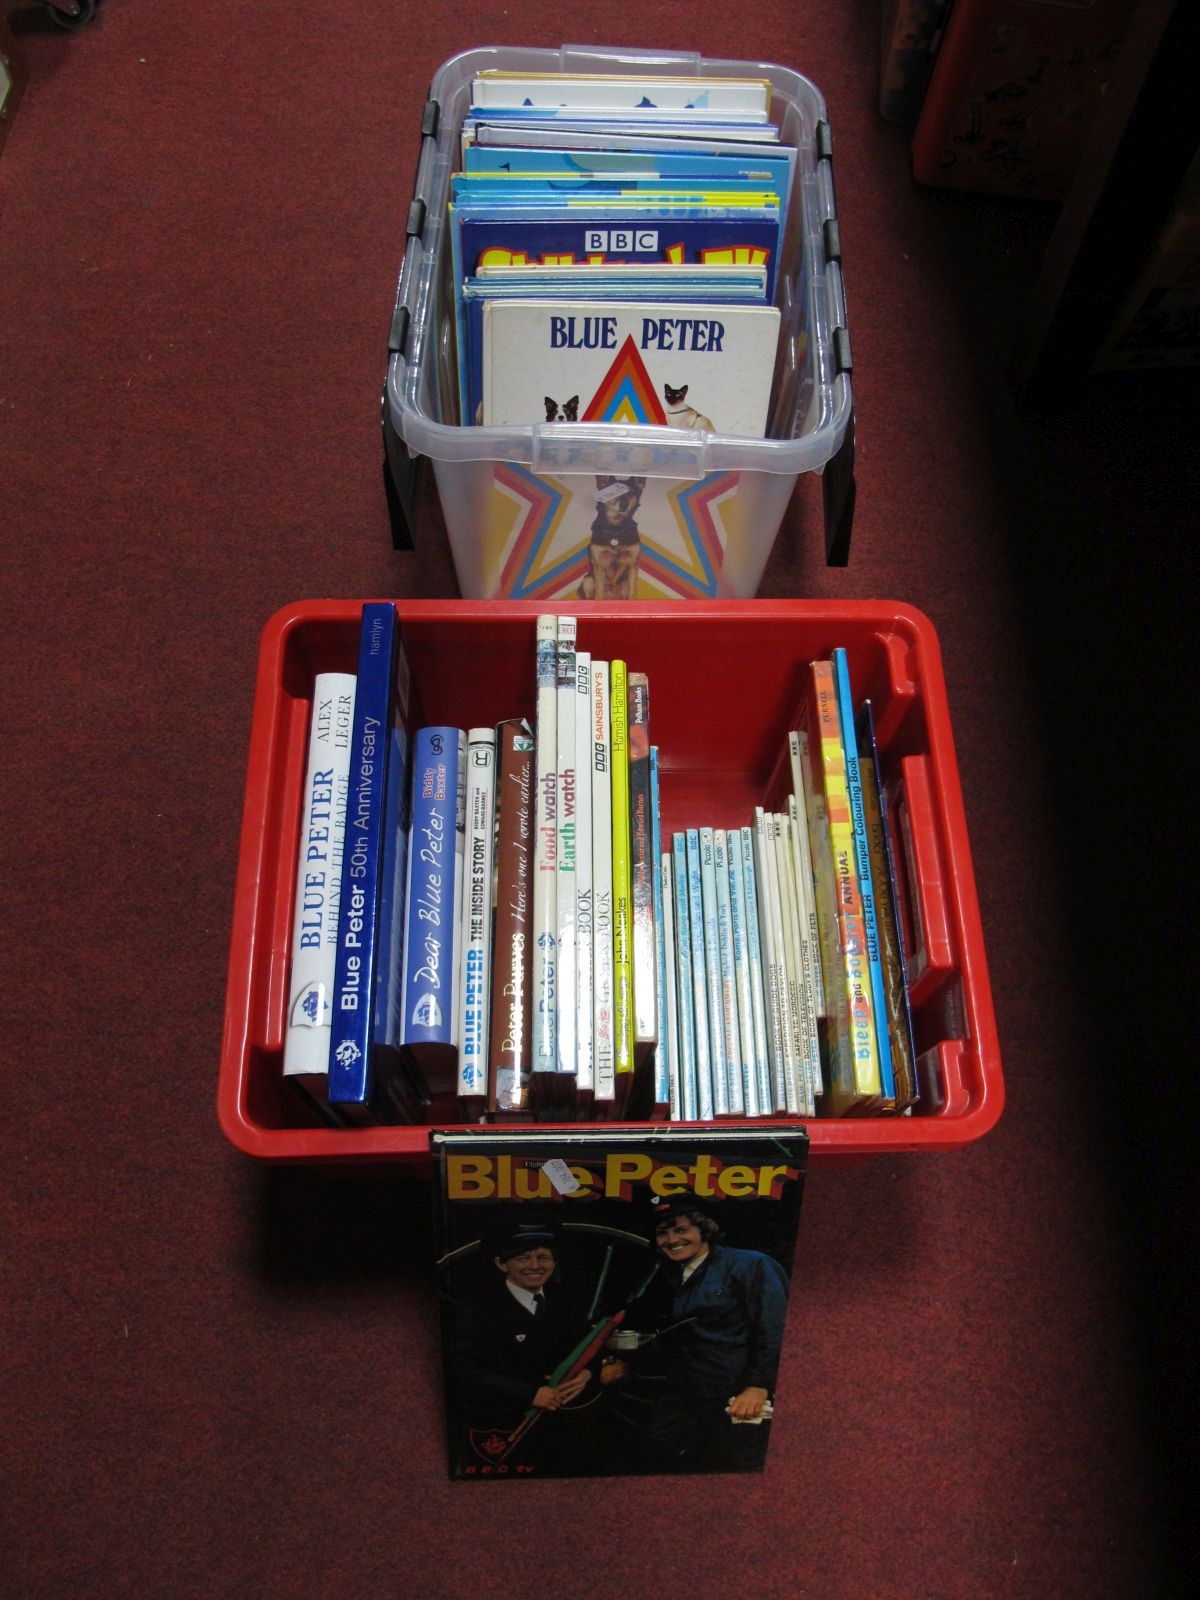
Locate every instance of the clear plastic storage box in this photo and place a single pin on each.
(518, 501)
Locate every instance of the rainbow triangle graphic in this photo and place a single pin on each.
(626, 395)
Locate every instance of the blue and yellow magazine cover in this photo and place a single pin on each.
(614, 1301)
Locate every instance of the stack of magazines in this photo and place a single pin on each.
(615, 244)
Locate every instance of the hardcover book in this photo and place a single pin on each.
(433, 910)
(512, 958)
(614, 1302)
(318, 887)
(366, 1024)
(681, 366)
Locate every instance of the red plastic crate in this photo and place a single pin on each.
(725, 681)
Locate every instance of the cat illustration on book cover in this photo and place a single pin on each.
(682, 415)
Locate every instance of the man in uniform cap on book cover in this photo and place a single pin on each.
(522, 1322)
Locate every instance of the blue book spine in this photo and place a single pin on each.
(683, 986)
(862, 857)
(705, 1087)
(364, 1010)
(431, 930)
(712, 976)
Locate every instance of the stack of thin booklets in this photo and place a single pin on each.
(615, 244)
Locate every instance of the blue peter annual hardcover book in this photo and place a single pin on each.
(365, 988)
(428, 1028)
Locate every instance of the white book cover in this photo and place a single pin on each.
(585, 1075)
(545, 850)
(693, 367)
(475, 983)
(603, 994)
(319, 879)
(758, 987)
(741, 969)
(729, 999)
(499, 89)
(565, 862)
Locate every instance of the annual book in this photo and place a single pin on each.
(614, 1302)
(510, 1046)
(365, 1026)
(319, 887)
(433, 909)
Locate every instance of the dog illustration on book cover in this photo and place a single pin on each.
(615, 544)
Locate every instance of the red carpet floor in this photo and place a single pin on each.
(224, 1381)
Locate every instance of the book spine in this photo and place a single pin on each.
(802, 885)
(684, 982)
(714, 993)
(725, 951)
(803, 1091)
(662, 1055)
(863, 1054)
(512, 969)
(585, 1082)
(891, 942)
(641, 862)
(430, 944)
(477, 915)
(378, 752)
(565, 1034)
(764, 875)
(668, 1038)
(545, 856)
(758, 990)
(622, 881)
(603, 996)
(866, 885)
(742, 970)
(805, 872)
(318, 882)
(707, 1088)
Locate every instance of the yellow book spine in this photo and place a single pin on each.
(864, 1053)
(622, 875)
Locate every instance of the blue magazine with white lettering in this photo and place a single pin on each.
(363, 1077)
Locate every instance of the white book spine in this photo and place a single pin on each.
(669, 1006)
(545, 859)
(793, 1095)
(741, 970)
(729, 1005)
(796, 742)
(584, 1023)
(603, 1039)
(460, 874)
(565, 863)
(319, 876)
(705, 1085)
(797, 995)
(758, 987)
(476, 978)
(808, 976)
(764, 856)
